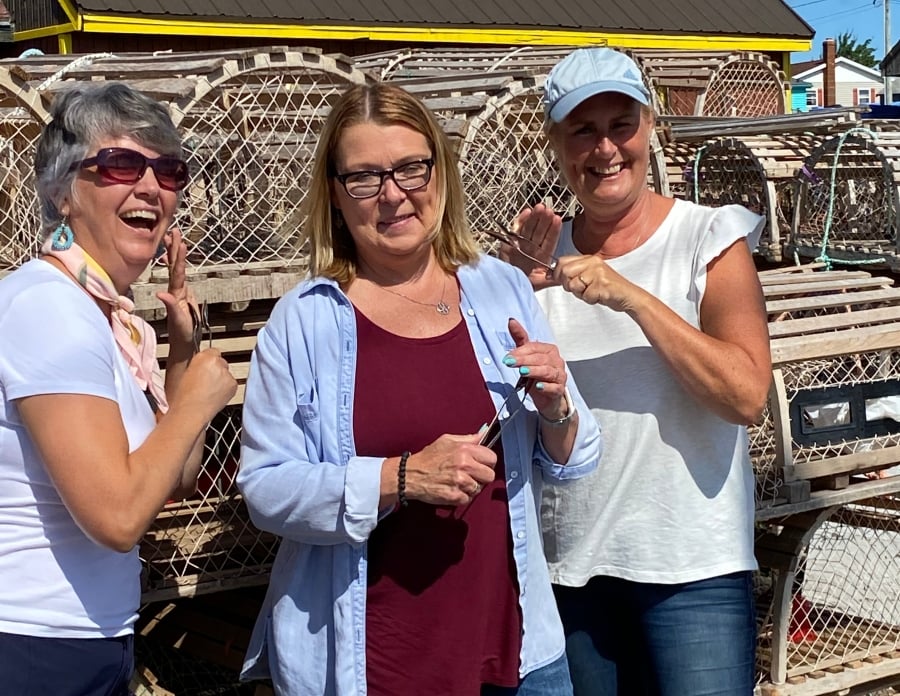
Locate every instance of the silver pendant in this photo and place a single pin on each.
(442, 308)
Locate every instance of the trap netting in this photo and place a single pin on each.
(208, 542)
(756, 172)
(19, 216)
(251, 144)
(832, 610)
(680, 157)
(847, 199)
(506, 163)
(713, 83)
(768, 471)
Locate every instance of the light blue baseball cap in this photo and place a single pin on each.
(589, 71)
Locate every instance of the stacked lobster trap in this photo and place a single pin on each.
(755, 171)
(712, 83)
(207, 542)
(824, 456)
(847, 203)
(250, 121)
(417, 62)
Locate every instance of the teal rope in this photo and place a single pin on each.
(829, 218)
(697, 155)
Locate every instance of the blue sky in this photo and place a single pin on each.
(830, 18)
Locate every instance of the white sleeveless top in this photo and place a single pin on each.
(672, 500)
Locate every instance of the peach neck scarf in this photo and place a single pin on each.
(134, 336)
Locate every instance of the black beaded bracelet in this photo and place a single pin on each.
(401, 479)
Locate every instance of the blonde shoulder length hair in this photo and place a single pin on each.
(332, 251)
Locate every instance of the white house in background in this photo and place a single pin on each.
(855, 84)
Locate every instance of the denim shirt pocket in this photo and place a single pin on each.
(505, 340)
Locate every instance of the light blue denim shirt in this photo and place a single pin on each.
(302, 479)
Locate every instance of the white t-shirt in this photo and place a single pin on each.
(672, 499)
(54, 580)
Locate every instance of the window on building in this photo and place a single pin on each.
(811, 99)
(864, 97)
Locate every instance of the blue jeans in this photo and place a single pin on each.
(32, 666)
(637, 639)
(550, 680)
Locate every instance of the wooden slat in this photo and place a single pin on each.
(845, 342)
(817, 277)
(831, 322)
(826, 286)
(232, 344)
(798, 304)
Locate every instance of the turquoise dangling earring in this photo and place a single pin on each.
(62, 236)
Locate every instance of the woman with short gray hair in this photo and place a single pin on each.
(93, 440)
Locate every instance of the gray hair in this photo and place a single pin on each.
(82, 117)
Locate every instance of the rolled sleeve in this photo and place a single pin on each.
(293, 476)
(586, 450)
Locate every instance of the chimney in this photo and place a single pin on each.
(828, 86)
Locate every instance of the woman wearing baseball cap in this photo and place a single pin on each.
(658, 310)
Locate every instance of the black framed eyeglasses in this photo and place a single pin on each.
(367, 183)
(121, 165)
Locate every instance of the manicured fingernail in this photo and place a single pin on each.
(509, 361)
(482, 428)
(524, 370)
(539, 386)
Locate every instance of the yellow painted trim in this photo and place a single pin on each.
(71, 12)
(65, 43)
(42, 32)
(136, 25)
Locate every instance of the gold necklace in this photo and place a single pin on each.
(441, 306)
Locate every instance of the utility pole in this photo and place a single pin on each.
(888, 96)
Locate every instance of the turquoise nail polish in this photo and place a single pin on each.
(509, 361)
(539, 386)
(524, 370)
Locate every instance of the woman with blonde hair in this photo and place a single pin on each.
(411, 560)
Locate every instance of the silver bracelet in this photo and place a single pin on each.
(561, 422)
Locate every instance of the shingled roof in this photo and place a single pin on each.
(770, 18)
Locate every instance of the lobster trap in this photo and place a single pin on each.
(712, 83)
(826, 457)
(828, 599)
(756, 172)
(847, 200)
(834, 409)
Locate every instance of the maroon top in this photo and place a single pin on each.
(442, 612)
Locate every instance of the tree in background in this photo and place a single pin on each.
(848, 46)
